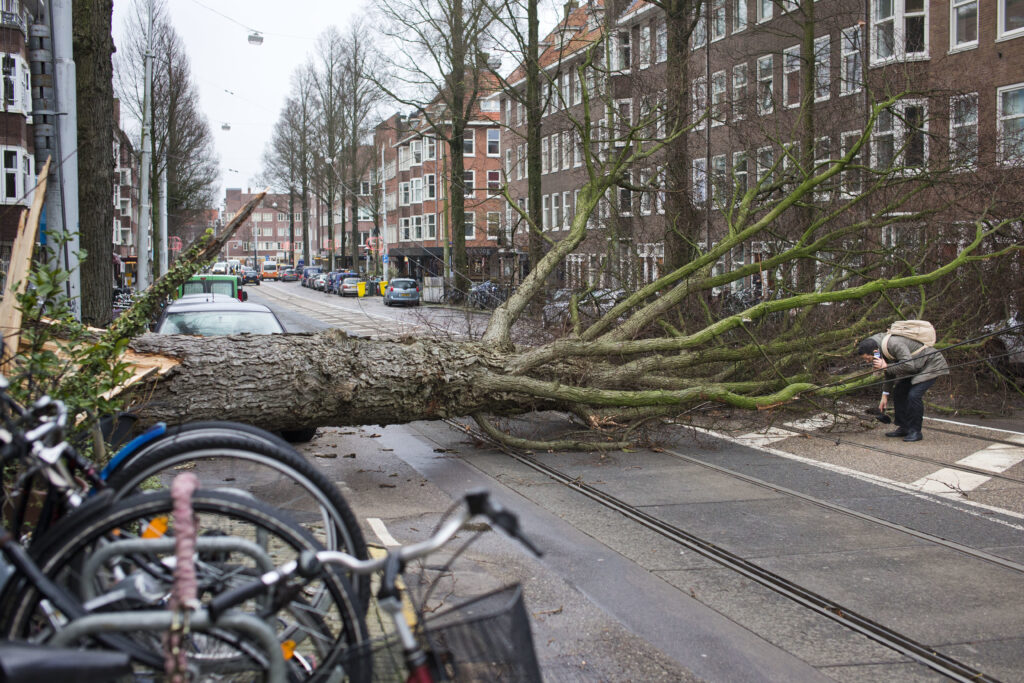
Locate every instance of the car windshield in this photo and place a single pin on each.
(351, 281)
(192, 287)
(403, 284)
(222, 287)
(207, 323)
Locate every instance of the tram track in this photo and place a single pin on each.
(817, 603)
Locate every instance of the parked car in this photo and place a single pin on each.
(334, 282)
(289, 275)
(349, 286)
(592, 304)
(214, 284)
(319, 281)
(308, 273)
(207, 315)
(250, 276)
(219, 268)
(402, 291)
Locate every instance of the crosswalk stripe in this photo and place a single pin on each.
(996, 458)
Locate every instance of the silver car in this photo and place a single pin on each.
(402, 291)
(206, 315)
(349, 286)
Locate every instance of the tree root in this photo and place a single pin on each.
(556, 445)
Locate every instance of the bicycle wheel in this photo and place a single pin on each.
(84, 555)
(267, 468)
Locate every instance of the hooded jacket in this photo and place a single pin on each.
(925, 365)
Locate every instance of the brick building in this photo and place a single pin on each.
(266, 235)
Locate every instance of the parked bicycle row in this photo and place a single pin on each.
(106, 561)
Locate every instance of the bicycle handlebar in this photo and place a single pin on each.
(477, 503)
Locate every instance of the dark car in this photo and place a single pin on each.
(250, 276)
(308, 273)
(289, 275)
(208, 315)
(402, 291)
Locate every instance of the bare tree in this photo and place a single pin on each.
(183, 145)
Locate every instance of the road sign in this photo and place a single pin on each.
(385, 258)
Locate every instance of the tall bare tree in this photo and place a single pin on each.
(440, 69)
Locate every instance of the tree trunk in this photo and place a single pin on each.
(292, 381)
(93, 46)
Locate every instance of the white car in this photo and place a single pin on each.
(219, 268)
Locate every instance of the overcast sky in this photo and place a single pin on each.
(240, 84)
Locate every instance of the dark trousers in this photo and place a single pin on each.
(908, 403)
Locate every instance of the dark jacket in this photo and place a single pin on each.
(924, 365)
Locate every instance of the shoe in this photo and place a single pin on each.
(913, 436)
(899, 431)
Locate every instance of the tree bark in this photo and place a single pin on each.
(93, 47)
(292, 381)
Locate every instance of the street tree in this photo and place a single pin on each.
(183, 145)
(93, 46)
(439, 51)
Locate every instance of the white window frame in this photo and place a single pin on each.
(623, 51)
(556, 216)
(719, 27)
(739, 168)
(430, 186)
(494, 142)
(740, 82)
(493, 218)
(469, 225)
(469, 142)
(700, 181)
(1001, 150)
(765, 10)
(545, 218)
(646, 196)
(739, 15)
(643, 57)
(566, 149)
(519, 162)
(899, 133)
(565, 210)
(761, 170)
(416, 190)
(954, 24)
(958, 124)
(719, 91)
(404, 194)
(404, 233)
(544, 155)
(577, 148)
(417, 227)
(791, 65)
(415, 152)
(700, 102)
(898, 20)
(429, 148)
(430, 226)
(1001, 32)
(623, 120)
(847, 140)
(661, 42)
(851, 59)
(577, 88)
(718, 175)
(469, 188)
(765, 76)
(493, 183)
(822, 68)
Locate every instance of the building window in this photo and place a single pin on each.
(717, 19)
(577, 148)
(431, 222)
(544, 212)
(431, 186)
(469, 143)
(851, 77)
(493, 142)
(556, 215)
(765, 91)
(624, 52)
(660, 42)
(543, 155)
(899, 29)
(700, 181)
(1010, 18)
(554, 152)
(416, 151)
(718, 98)
(700, 101)
(469, 181)
(764, 10)
(719, 180)
(470, 225)
(963, 130)
(822, 68)
(577, 88)
(739, 176)
(508, 163)
(416, 190)
(791, 76)
(565, 210)
(417, 227)
(624, 121)
(822, 161)
(403, 194)
(739, 92)
(1011, 124)
(493, 225)
(566, 148)
(765, 162)
(964, 24)
(519, 162)
(739, 15)
(899, 137)
(643, 58)
(699, 36)
(404, 229)
(625, 197)
(493, 183)
(883, 140)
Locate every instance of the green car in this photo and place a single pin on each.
(214, 284)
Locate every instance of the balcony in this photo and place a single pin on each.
(13, 20)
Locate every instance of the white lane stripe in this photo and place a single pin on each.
(773, 434)
(382, 532)
(882, 481)
(997, 458)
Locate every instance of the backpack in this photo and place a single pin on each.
(920, 331)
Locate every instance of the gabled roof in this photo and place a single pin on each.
(571, 36)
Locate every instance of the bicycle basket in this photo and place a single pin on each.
(485, 639)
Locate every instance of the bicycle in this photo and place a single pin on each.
(486, 638)
(237, 452)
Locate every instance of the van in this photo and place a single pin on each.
(234, 266)
(269, 271)
(214, 284)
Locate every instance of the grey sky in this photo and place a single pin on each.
(215, 34)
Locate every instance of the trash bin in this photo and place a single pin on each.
(383, 286)
(361, 289)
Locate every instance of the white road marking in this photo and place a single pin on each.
(382, 532)
(773, 434)
(950, 482)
